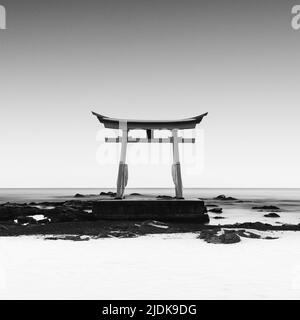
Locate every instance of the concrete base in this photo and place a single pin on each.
(161, 210)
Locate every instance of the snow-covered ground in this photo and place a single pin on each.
(150, 267)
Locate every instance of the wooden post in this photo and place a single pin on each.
(176, 171)
(123, 168)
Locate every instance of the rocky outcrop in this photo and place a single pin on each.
(222, 197)
(25, 220)
(224, 236)
(79, 195)
(164, 197)
(263, 226)
(11, 211)
(272, 215)
(109, 193)
(268, 208)
(216, 210)
(43, 221)
(220, 236)
(72, 210)
(73, 238)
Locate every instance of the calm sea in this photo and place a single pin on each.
(25, 195)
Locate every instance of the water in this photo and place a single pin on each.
(25, 195)
(287, 199)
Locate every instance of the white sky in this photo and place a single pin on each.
(170, 60)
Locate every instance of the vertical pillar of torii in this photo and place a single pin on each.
(123, 168)
(176, 170)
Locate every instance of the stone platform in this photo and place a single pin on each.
(159, 209)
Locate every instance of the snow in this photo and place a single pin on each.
(150, 267)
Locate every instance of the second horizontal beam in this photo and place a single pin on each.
(154, 140)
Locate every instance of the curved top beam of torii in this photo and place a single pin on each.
(114, 123)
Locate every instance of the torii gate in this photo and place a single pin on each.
(149, 125)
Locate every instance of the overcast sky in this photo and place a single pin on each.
(237, 60)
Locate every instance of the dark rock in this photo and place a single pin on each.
(224, 198)
(218, 217)
(204, 234)
(48, 204)
(23, 220)
(109, 193)
(125, 234)
(13, 211)
(70, 216)
(135, 194)
(43, 221)
(212, 205)
(102, 235)
(73, 238)
(263, 226)
(230, 237)
(7, 223)
(216, 210)
(272, 215)
(251, 225)
(4, 204)
(227, 237)
(266, 208)
(75, 204)
(164, 197)
(78, 195)
(271, 238)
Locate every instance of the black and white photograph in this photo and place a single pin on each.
(149, 150)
